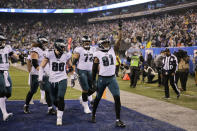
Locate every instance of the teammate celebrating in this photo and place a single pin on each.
(37, 55)
(83, 57)
(5, 80)
(57, 59)
(105, 60)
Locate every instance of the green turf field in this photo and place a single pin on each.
(21, 87)
(187, 99)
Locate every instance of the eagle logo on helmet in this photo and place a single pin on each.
(104, 44)
(86, 42)
(60, 45)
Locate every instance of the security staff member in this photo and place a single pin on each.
(170, 65)
(135, 68)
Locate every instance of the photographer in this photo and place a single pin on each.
(183, 68)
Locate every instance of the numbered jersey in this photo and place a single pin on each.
(40, 53)
(107, 61)
(4, 53)
(57, 67)
(85, 59)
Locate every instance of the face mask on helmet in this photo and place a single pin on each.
(104, 45)
(86, 42)
(60, 46)
(42, 41)
(2, 41)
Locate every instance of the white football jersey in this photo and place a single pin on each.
(107, 62)
(85, 59)
(57, 67)
(4, 54)
(40, 53)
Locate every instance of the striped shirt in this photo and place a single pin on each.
(170, 64)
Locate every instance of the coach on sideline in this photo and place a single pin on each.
(170, 65)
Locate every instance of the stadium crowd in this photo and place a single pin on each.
(175, 30)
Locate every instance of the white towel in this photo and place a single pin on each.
(7, 83)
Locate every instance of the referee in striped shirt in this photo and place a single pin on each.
(170, 66)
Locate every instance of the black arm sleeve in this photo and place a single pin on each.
(35, 63)
(11, 53)
(75, 61)
(94, 70)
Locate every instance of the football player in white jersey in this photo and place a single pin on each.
(104, 64)
(29, 70)
(83, 58)
(57, 59)
(37, 55)
(5, 80)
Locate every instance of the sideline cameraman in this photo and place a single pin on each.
(183, 68)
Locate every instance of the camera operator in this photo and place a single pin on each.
(183, 68)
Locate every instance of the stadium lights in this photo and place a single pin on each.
(100, 8)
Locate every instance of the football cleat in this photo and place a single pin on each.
(52, 111)
(59, 122)
(86, 107)
(93, 119)
(7, 116)
(119, 123)
(26, 109)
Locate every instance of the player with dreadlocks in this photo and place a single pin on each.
(37, 55)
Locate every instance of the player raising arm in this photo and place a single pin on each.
(104, 64)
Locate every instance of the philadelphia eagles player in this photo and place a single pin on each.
(5, 80)
(37, 55)
(83, 58)
(57, 59)
(104, 64)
